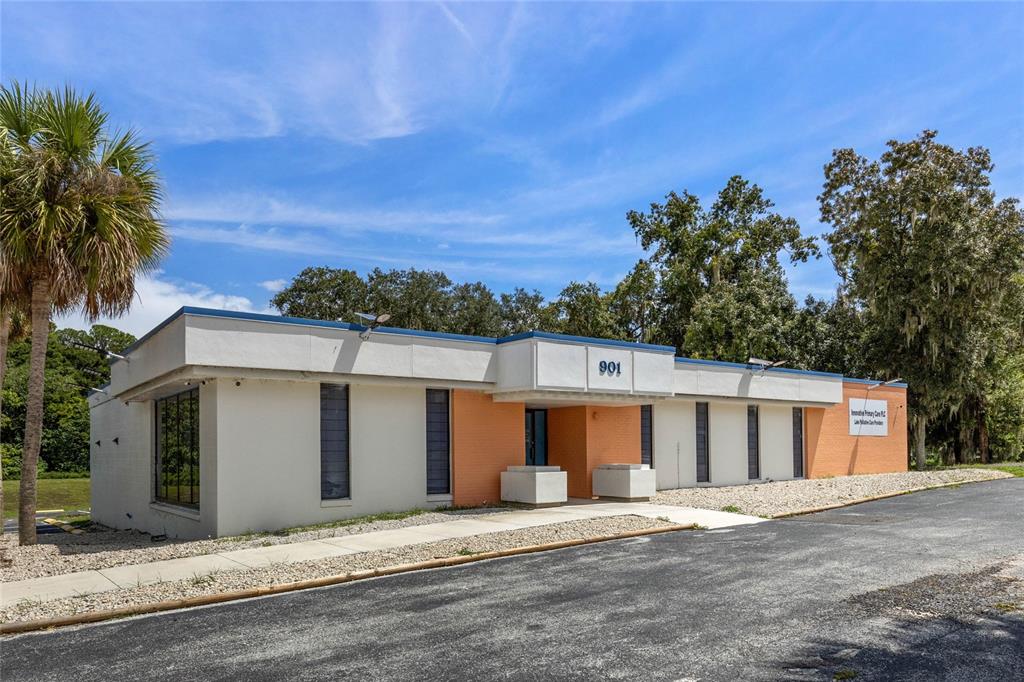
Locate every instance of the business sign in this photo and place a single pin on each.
(869, 417)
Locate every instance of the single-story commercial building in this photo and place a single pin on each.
(219, 422)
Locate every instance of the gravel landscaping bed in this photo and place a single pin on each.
(780, 497)
(101, 547)
(228, 581)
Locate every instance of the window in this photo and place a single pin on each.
(438, 442)
(334, 442)
(646, 439)
(703, 461)
(177, 449)
(753, 443)
(798, 442)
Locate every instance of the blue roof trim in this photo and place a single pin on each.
(742, 365)
(898, 384)
(587, 339)
(431, 335)
(152, 332)
(347, 326)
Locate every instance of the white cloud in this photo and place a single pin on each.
(354, 73)
(456, 22)
(158, 298)
(274, 285)
(258, 209)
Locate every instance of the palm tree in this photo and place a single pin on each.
(79, 221)
(13, 297)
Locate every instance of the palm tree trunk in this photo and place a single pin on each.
(5, 331)
(34, 409)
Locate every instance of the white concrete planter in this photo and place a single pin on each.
(624, 481)
(536, 485)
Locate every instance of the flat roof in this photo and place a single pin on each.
(349, 326)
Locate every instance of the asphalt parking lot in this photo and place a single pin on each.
(917, 587)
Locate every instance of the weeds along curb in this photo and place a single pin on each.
(815, 510)
(170, 605)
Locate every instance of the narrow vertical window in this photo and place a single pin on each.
(334, 442)
(798, 442)
(177, 449)
(646, 435)
(753, 443)
(438, 442)
(703, 460)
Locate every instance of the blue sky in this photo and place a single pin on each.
(502, 142)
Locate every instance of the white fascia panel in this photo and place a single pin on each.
(383, 357)
(162, 353)
(516, 366)
(561, 366)
(653, 372)
(774, 386)
(685, 379)
(227, 342)
(618, 374)
(821, 389)
(454, 364)
(722, 382)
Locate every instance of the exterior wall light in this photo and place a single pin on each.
(371, 322)
(764, 365)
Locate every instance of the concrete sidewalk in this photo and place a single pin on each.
(135, 575)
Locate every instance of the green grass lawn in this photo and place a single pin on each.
(1015, 468)
(53, 493)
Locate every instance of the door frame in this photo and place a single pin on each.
(531, 417)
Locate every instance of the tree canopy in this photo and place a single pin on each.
(933, 260)
(722, 291)
(71, 370)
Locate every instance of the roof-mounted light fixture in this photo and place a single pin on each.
(371, 322)
(764, 365)
(99, 390)
(890, 382)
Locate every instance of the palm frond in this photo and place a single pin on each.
(80, 206)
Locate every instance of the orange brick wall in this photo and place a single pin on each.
(487, 437)
(613, 437)
(567, 447)
(581, 438)
(832, 451)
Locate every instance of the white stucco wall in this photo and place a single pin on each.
(675, 443)
(122, 474)
(727, 425)
(776, 442)
(269, 445)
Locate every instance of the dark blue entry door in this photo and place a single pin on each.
(536, 437)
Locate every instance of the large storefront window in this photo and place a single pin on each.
(177, 449)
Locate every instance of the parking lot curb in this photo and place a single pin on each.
(16, 627)
(814, 510)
